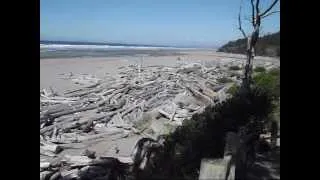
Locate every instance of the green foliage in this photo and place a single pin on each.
(203, 135)
(275, 72)
(268, 45)
(224, 80)
(234, 68)
(233, 89)
(259, 69)
(269, 81)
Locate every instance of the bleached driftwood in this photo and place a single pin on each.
(44, 165)
(90, 107)
(45, 175)
(71, 174)
(46, 153)
(46, 146)
(101, 135)
(75, 161)
(174, 112)
(109, 109)
(51, 127)
(141, 104)
(55, 176)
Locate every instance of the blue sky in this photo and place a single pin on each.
(166, 22)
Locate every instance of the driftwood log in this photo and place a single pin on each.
(118, 107)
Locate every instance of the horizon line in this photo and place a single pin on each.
(126, 43)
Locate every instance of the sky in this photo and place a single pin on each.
(164, 22)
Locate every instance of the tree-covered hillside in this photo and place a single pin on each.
(268, 45)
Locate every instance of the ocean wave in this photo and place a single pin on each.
(71, 46)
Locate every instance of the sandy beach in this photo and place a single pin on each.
(128, 103)
(54, 71)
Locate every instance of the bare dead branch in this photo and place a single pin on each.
(239, 21)
(270, 13)
(257, 22)
(270, 7)
(253, 13)
(257, 7)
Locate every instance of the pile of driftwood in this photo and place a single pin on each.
(119, 106)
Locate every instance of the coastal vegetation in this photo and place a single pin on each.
(234, 68)
(268, 45)
(259, 69)
(203, 135)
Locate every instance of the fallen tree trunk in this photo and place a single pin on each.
(46, 152)
(90, 107)
(102, 102)
(76, 161)
(132, 108)
(45, 175)
(46, 146)
(44, 165)
(90, 91)
(55, 101)
(81, 122)
(101, 135)
(51, 127)
(69, 175)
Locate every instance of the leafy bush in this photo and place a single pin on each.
(269, 81)
(268, 45)
(224, 80)
(234, 68)
(260, 69)
(233, 89)
(275, 72)
(203, 135)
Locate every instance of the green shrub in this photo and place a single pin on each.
(224, 80)
(269, 81)
(233, 89)
(234, 68)
(274, 72)
(203, 135)
(268, 45)
(259, 69)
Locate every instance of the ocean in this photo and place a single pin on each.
(66, 49)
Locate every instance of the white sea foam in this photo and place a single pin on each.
(71, 46)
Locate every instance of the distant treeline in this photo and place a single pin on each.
(268, 45)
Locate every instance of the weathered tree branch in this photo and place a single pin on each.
(268, 9)
(239, 21)
(268, 14)
(257, 22)
(253, 13)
